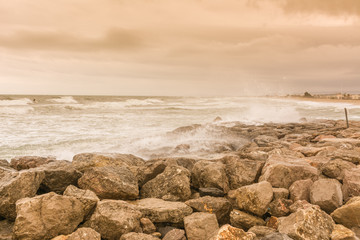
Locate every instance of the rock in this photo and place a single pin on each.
(27, 162)
(327, 194)
(322, 137)
(81, 234)
(137, 236)
(156, 234)
(175, 234)
(261, 231)
(265, 141)
(307, 224)
(147, 226)
(255, 198)
(221, 207)
(348, 215)
(351, 183)
(200, 226)
(84, 161)
(86, 197)
(336, 168)
(283, 173)
(242, 172)
(352, 156)
(280, 193)
(208, 174)
(163, 230)
(213, 192)
(276, 236)
(244, 220)
(47, 216)
(160, 211)
(300, 204)
(111, 182)
(280, 207)
(308, 151)
(342, 233)
(171, 185)
(58, 175)
(150, 170)
(113, 218)
(4, 163)
(6, 229)
(300, 190)
(228, 232)
(17, 185)
(272, 222)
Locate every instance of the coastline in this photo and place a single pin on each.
(324, 100)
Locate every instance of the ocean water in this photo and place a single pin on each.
(63, 126)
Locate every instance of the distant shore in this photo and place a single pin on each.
(327, 100)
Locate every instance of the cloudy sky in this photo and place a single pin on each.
(172, 47)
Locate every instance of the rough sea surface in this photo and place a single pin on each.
(63, 126)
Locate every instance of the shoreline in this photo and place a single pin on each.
(324, 100)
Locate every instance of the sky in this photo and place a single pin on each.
(172, 47)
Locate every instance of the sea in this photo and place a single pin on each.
(62, 126)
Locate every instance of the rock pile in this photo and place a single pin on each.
(296, 181)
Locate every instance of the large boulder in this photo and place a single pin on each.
(348, 215)
(16, 185)
(27, 162)
(58, 175)
(327, 194)
(221, 207)
(352, 156)
(113, 218)
(160, 211)
(111, 182)
(281, 173)
(244, 220)
(228, 232)
(86, 197)
(242, 172)
(47, 216)
(351, 183)
(210, 174)
(138, 236)
(336, 168)
(255, 198)
(300, 190)
(307, 224)
(200, 226)
(171, 185)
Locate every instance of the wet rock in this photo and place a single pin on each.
(283, 173)
(58, 175)
(209, 174)
(228, 232)
(200, 226)
(147, 226)
(160, 211)
(175, 234)
(16, 185)
(113, 218)
(6, 228)
(213, 192)
(242, 172)
(327, 194)
(351, 183)
(27, 162)
(244, 220)
(276, 236)
(110, 182)
(261, 231)
(300, 190)
(336, 168)
(307, 224)
(221, 207)
(47, 216)
(138, 236)
(86, 197)
(348, 215)
(84, 161)
(172, 185)
(280, 207)
(342, 233)
(255, 198)
(352, 156)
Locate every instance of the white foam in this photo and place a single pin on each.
(16, 102)
(16, 110)
(67, 99)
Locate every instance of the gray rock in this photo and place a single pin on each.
(348, 215)
(200, 226)
(351, 183)
(171, 185)
(46, 216)
(300, 190)
(138, 236)
(113, 218)
(255, 198)
(111, 182)
(244, 220)
(327, 194)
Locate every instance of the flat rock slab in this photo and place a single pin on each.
(160, 211)
(349, 214)
(200, 226)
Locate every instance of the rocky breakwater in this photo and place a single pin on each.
(296, 181)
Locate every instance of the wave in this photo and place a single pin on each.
(126, 104)
(67, 99)
(16, 110)
(16, 102)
